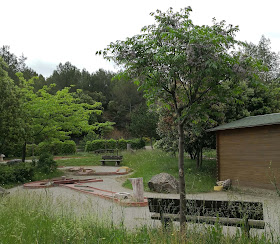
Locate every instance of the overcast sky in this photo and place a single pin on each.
(48, 32)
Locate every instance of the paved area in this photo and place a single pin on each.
(133, 217)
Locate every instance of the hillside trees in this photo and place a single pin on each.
(144, 122)
(9, 110)
(177, 64)
(15, 64)
(118, 97)
(267, 58)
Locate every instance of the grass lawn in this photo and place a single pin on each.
(147, 163)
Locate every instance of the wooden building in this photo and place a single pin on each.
(248, 151)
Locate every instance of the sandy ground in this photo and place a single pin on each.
(134, 217)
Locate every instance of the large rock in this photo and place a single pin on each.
(164, 183)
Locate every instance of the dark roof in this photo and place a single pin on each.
(252, 121)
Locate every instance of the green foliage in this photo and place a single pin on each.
(137, 143)
(122, 144)
(143, 122)
(46, 164)
(16, 173)
(56, 147)
(114, 144)
(9, 112)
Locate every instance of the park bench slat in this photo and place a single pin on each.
(231, 213)
(258, 224)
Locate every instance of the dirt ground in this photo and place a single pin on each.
(134, 217)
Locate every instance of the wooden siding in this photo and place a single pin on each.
(249, 156)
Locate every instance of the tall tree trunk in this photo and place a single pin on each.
(23, 152)
(197, 158)
(182, 187)
(201, 156)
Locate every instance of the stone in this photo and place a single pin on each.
(14, 161)
(122, 195)
(2, 156)
(164, 183)
(226, 184)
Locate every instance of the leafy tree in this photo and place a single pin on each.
(46, 116)
(144, 123)
(266, 57)
(15, 64)
(177, 64)
(124, 99)
(9, 111)
(66, 75)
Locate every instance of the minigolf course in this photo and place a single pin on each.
(80, 185)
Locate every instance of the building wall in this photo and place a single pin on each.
(249, 156)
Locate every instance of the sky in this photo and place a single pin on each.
(49, 32)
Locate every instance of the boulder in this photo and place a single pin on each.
(226, 184)
(164, 183)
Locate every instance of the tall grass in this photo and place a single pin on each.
(28, 217)
(146, 164)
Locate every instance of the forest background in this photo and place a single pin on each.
(81, 106)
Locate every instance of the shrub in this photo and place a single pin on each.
(56, 147)
(16, 174)
(114, 144)
(137, 143)
(46, 164)
(122, 144)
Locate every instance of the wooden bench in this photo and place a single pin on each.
(230, 213)
(111, 158)
(104, 151)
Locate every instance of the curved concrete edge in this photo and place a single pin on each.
(108, 195)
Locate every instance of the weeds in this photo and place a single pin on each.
(30, 217)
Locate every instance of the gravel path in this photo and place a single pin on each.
(133, 217)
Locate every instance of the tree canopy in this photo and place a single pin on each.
(178, 64)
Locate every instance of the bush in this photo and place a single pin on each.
(122, 144)
(56, 147)
(114, 144)
(46, 164)
(137, 143)
(16, 174)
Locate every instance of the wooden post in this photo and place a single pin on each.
(138, 189)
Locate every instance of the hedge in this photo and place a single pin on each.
(56, 147)
(114, 144)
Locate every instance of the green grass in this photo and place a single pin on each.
(81, 160)
(147, 163)
(43, 176)
(210, 153)
(30, 217)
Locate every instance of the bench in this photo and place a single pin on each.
(230, 213)
(111, 158)
(104, 151)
